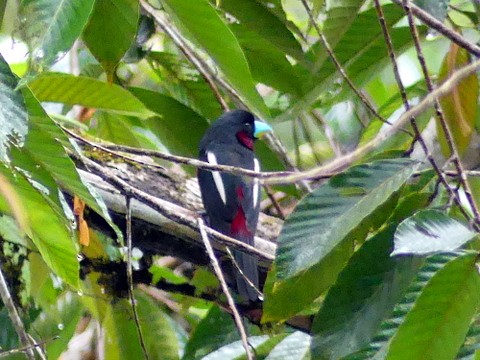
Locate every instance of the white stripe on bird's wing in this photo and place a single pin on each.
(256, 185)
(217, 178)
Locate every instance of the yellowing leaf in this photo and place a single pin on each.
(460, 105)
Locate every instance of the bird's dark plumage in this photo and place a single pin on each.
(232, 202)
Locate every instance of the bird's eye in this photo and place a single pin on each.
(246, 123)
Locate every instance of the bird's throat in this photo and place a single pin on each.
(245, 140)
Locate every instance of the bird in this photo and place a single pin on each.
(232, 202)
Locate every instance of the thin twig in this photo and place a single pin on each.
(15, 317)
(131, 294)
(226, 291)
(242, 274)
(441, 117)
(341, 70)
(24, 349)
(437, 25)
(276, 205)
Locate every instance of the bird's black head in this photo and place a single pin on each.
(237, 124)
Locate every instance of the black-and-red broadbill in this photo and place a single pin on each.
(232, 202)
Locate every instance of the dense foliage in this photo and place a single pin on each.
(379, 249)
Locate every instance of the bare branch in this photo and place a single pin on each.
(15, 318)
(131, 294)
(226, 291)
(433, 23)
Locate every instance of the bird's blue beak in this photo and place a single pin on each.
(261, 128)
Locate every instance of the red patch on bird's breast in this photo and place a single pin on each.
(245, 140)
(239, 224)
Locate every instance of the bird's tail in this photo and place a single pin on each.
(248, 264)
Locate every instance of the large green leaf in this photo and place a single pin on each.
(339, 17)
(379, 345)
(308, 286)
(294, 346)
(214, 331)
(460, 105)
(111, 30)
(220, 44)
(182, 85)
(363, 295)
(51, 26)
(325, 217)
(44, 144)
(436, 326)
(59, 319)
(251, 13)
(430, 231)
(160, 338)
(179, 128)
(122, 340)
(268, 63)
(13, 117)
(55, 241)
(36, 189)
(88, 92)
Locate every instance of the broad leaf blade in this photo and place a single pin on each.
(363, 295)
(88, 92)
(179, 128)
(221, 45)
(294, 346)
(436, 326)
(460, 105)
(430, 231)
(324, 218)
(13, 117)
(111, 30)
(51, 27)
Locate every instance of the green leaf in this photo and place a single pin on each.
(59, 319)
(159, 335)
(430, 231)
(363, 295)
(88, 92)
(179, 128)
(51, 27)
(308, 286)
(13, 117)
(55, 241)
(460, 105)
(111, 30)
(327, 216)
(44, 144)
(40, 201)
(339, 18)
(121, 129)
(235, 350)
(269, 64)
(215, 330)
(436, 326)
(220, 43)
(294, 346)
(251, 13)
